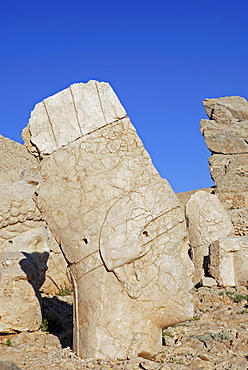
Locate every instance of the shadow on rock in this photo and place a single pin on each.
(35, 266)
(58, 319)
(57, 314)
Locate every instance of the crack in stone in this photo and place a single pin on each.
(98, 94)
(74, 105)
(49, 120)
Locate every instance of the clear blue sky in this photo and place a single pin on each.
(161, 57)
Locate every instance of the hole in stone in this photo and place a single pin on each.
(145, 233)
(85, 240)
(10, 242)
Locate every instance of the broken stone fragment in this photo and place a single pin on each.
(207, 221)
(229, 261)
(80, 109)
(19, 305)
(231, 107)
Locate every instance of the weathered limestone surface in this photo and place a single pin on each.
(207, 221)
(185, 196)
(21, 225)
(16, 163)
(226, 135)
(24, 252)
(119, 224)
(56, 274)
(19, 280)
(229, 261)
(80, 110)
(239, 219)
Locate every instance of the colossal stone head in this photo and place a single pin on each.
(119, 224)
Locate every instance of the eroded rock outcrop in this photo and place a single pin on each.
(226, 136)
(119, 224)
(218, 219)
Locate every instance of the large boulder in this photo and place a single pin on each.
(19, 293)
(208, 221)
(229, 261)
(119, 224)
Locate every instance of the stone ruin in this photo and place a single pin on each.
(81, 203)
(218, 221)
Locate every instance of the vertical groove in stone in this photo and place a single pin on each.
(49, 120)
(98, 94)
(76, 111)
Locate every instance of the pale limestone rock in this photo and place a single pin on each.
(19, 305)
(56, 274)
(16, 163)
(119, 224)
(24, 253)
(185, 196)
(207, 221)
(21, 225)
(229, 261)
(208, 281)
(80, 109)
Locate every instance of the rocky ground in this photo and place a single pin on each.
(216, 338)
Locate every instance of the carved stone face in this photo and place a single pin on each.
(118, 222)
(143, 244)
(123, 245)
